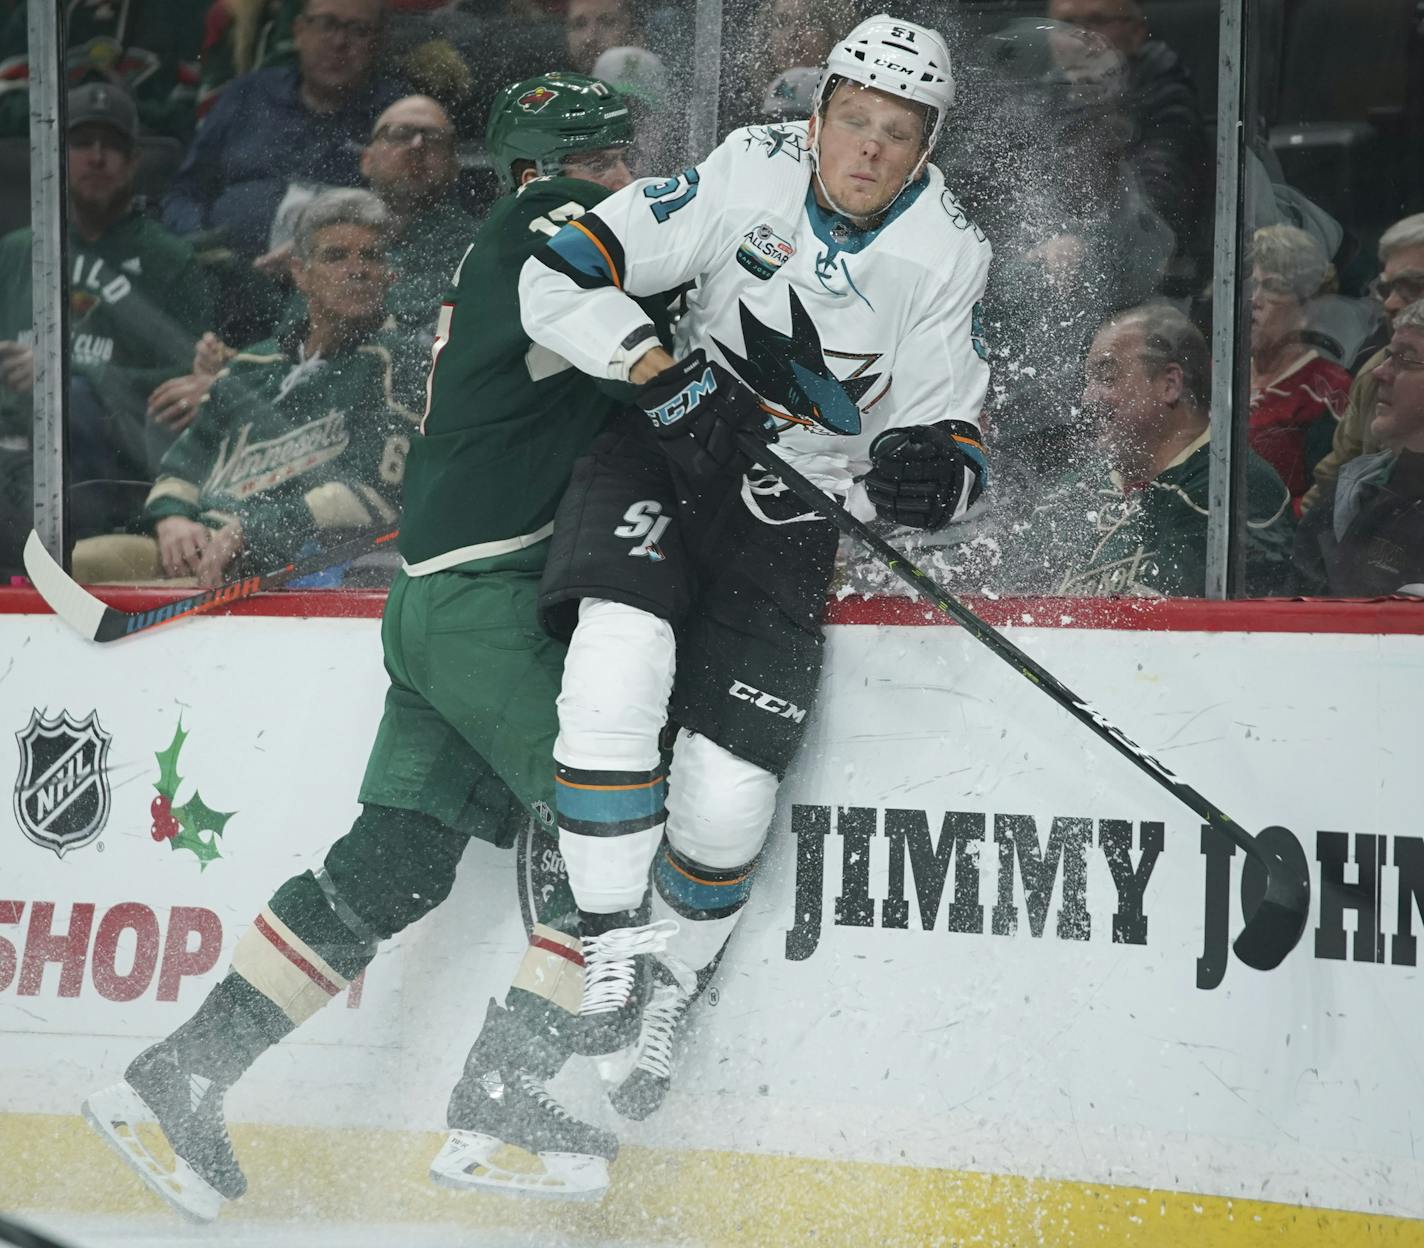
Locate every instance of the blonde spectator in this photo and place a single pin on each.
(1297, 395)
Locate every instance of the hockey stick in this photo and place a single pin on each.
(78, 608)
(1275, 926)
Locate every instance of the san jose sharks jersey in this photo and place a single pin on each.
(842, 332)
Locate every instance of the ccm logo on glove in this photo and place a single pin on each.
(698, 408)
(685, 401)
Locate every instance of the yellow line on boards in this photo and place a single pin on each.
(56, 1164)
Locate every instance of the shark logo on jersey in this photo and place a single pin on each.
(790, 370)
(777, 141)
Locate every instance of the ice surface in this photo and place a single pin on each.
(162, 1232)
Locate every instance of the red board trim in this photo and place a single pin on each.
(1269, 615)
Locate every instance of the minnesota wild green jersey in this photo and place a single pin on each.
(291, 446)
(138, 300)
(505, 419)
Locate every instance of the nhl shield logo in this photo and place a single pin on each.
(62, 792)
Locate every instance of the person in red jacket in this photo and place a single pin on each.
(1297, 395)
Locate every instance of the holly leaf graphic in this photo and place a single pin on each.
(168, 777)
(204, 851)
(194, 818)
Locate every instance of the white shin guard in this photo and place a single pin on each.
(719, 810)
(612, 707)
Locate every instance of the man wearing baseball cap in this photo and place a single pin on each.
(137, 303)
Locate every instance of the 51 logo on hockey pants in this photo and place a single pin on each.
(644, 523)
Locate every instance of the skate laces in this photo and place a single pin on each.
(610, 971)
(205, 1102)
(530, 1085)
(660, 1019)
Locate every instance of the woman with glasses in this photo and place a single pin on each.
(1297, 395)
(1400, 283)
(1366, 538)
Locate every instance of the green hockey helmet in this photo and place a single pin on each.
(543, 119)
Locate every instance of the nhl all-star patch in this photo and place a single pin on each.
(62, 791)
(763, 251)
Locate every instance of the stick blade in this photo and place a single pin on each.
(1278, 907)
(74, 604)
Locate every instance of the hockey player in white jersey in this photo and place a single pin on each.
(834, 298)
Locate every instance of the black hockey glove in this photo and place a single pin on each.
(925, 476)
(697, 408)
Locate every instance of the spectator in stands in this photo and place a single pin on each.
(791, 95)
(299, 436)
(1168, 146)
(1366, 538)
(1401, 282)
(1135, 522)
(240, 36)
(410, 164)
(658, 118)
(1071, 249)
(278, 136)
(591, 27)
(799, 32)
(151, 46)
(1297, 395)
(243, 35)
(780, 36)
(138, 302)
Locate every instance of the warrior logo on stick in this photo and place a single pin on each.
(62, 792)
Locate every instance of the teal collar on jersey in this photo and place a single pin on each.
(841, 233)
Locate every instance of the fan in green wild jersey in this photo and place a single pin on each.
(465, 743)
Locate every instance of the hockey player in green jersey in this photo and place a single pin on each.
(464, 745)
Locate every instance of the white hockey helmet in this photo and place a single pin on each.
(900, 58)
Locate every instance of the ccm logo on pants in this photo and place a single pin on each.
(779, 707)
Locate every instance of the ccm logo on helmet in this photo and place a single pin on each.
(685, 400)
(779, 707)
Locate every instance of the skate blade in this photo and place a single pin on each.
(472, 1162)
(115, 1114)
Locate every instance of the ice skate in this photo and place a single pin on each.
(617, 982)
(508, 1134)
(187, 1109)
(664, 1020)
